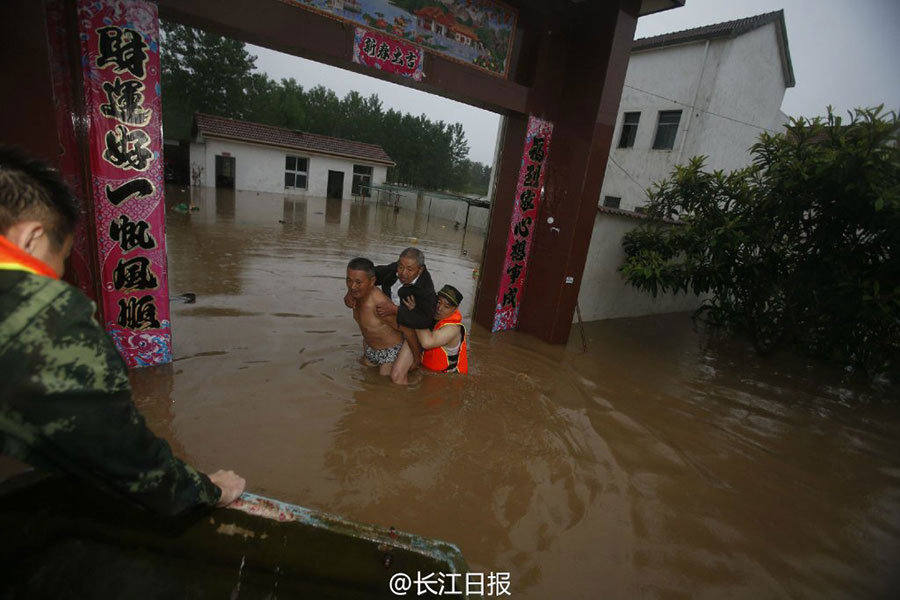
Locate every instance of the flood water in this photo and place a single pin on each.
(655, 464)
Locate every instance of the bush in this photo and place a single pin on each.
(800, 249)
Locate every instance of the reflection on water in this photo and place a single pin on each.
(655, 464)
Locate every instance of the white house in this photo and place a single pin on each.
(705, 91)
(255, 157)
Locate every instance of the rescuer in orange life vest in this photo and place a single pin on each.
(445, 344)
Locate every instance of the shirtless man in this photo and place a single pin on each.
(382, 339)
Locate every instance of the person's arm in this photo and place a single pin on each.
(422, 316)
(385, 274)
(74, 413)
(442, 337)
(386, 309)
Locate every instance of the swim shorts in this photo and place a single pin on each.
(383, 356)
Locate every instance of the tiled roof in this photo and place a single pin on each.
(630, 214)
(437, 14)
(620, 212)
(221, 127)
(730, 29)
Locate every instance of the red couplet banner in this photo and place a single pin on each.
(524, 219)
(120, 61)
(387, 54)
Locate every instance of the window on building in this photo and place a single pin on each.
(612, 201)
(641, 210)
(666, 129)
(362, 175)
(296, 170)
(629, 129)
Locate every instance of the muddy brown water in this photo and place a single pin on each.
(656, 464)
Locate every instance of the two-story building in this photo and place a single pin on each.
(706, 91)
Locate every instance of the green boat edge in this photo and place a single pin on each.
(257, 538)
(440, 551)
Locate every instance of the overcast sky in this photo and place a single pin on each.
(845, 53)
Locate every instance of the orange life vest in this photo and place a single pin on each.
(13, 258)
(437, 359)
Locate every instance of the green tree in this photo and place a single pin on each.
(323, 112)
(800, 249)
(476, 178)
(459, 152)
(266, 102)
(202, 72)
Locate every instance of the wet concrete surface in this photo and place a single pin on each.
(656, 464)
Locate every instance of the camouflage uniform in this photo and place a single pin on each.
(66, 405)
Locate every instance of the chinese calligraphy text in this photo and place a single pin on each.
(121, 71)
(522, 225)
(387, 54)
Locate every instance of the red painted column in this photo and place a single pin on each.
(40, 95)
(26, 93)
(81, 91)
(495, 248)
(577, 86)
(68, 103)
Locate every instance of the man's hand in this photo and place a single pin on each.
(410, 302)
(386, 309)
(349, 301)
(231, 484)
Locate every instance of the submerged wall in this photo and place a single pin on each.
(441, 207)
(604, 294)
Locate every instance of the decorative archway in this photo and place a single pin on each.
(558, 89)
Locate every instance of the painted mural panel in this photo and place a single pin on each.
(477, 33)
(120, 62)
(524, 220)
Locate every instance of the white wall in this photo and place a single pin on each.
(604, 294)
(671, 75)
(261, 168)
(750, 87)
(436, 207)
(379, 174)
(742, 80)
(198, 158)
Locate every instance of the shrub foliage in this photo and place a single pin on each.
(800, 249)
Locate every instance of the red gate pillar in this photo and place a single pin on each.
(91, 107)
(43, 110)
(577, 87)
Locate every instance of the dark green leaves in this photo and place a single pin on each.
(802, 248)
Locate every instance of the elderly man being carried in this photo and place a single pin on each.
(446, 344)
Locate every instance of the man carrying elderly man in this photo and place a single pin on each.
(407, 277)
(419, 308)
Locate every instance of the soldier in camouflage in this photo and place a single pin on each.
(65, 398)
